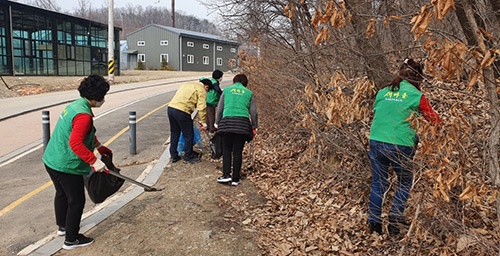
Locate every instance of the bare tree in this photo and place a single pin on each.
(84, 9)
(46, 4)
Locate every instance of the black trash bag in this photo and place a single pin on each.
(101, 185)
(216, 146)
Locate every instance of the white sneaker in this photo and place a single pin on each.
(61, 231)
(235, 183)
(223, 179)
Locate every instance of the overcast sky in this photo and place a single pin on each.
(189, 7)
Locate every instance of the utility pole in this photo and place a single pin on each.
(173, 13)
(111, 43)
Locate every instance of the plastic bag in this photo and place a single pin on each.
(196, 138)
(216, 146)
(101, 185)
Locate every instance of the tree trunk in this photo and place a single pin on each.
(495, 4)
(468, 21)
(370, 48)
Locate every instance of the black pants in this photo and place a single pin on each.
(69, 201)
(180, 122)
(211, 117)
(232, 153)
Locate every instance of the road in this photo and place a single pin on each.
(26, 201)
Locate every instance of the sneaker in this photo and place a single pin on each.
(375, 227)
(193, 159)
(223, 179)
(61, 231)
(176, 158)
(79, 242)
(235, 183)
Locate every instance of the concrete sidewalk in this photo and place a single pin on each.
(12, 107)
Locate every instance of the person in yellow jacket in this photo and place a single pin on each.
(190, 96)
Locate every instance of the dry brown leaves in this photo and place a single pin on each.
(317, 206)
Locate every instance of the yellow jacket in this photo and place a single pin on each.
(191, 95)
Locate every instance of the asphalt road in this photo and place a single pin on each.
(26, 201)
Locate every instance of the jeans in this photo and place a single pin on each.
(383, 155)
(69, 201)
(232, 153)
(180, 122)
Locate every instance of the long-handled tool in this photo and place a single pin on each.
(146, 187)
(113, 170)
(213, 146)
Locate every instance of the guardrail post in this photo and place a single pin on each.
(46, 128)
(132, 136)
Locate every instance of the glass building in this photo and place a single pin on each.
(38, 42)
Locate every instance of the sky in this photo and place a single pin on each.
(188, 7)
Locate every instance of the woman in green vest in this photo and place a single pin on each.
(69, 156)
(237, 123)
(393, 142)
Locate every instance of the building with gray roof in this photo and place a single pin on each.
(162, 47)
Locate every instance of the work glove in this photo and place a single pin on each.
(216, 126)
(103, 150)
(203, 126)
(108, 161)
(99, 166)
(254, 131)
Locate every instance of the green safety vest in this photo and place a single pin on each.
(212, 96)
(236, 101)
(392, 109)
(58, 154)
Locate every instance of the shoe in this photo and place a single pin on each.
(393, 226)
(193, 159)
(79, 242)
(393, 229)
(375, 227)
(235, 183)
(176, 158)
(61, 231)
(223, 179)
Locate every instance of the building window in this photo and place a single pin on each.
(141, 43)
(206, 60)
(190, 44)
(164, 57)
(219, 61)
(233, 49)
(141, 57)
(219, 48)
(190, 59)
(206, 46)
(163, 42)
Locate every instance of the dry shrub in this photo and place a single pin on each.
(312, 166)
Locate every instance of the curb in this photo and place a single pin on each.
(53, 243)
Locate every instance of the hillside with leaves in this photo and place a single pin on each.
(315, 67)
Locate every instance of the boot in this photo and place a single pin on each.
(394, 226)
(375, 227)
